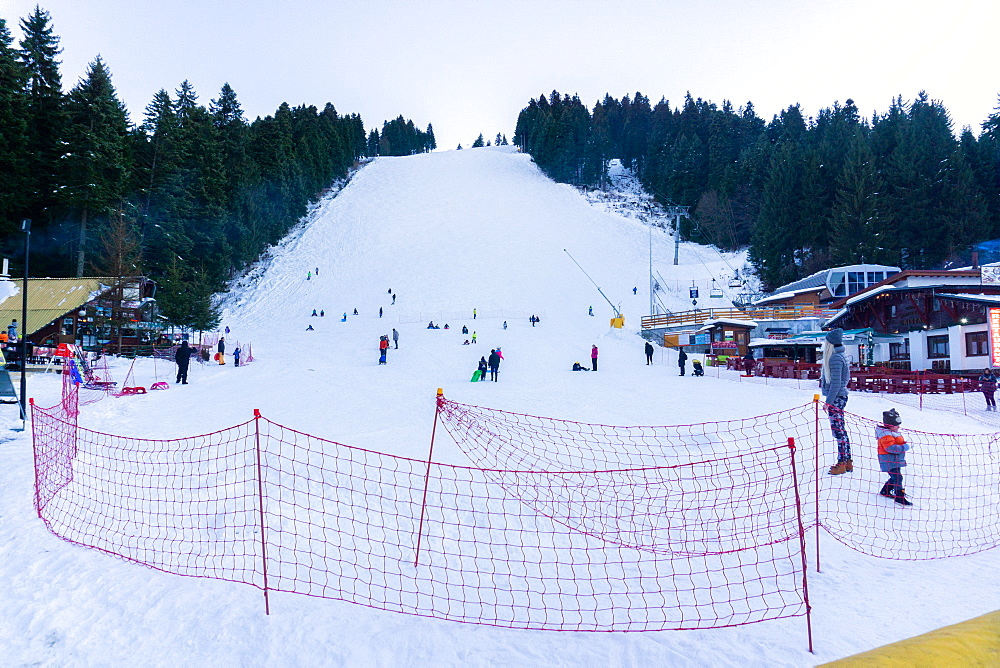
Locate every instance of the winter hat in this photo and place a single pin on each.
(835, 337)
(891, 417)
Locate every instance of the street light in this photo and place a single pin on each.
(26, 228)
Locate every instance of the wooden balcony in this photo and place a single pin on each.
(702, 316)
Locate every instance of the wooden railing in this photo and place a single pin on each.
(868, 379)
(700, 316)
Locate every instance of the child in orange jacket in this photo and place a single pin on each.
(892, 456)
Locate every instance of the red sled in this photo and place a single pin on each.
(161, 385)
(133, 390)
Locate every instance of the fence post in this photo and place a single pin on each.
(802, 544)
(427, 475)
(816, 427)
(260, 507)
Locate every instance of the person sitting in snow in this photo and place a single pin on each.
(314, 314)
(430, 325)
(355, 311)
(465, 330)
(466, 342)
(310, 329)
(698, 370)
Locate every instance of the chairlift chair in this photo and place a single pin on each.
(715, 292)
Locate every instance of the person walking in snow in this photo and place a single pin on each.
(593, 357)
(182, 357)
(835, 376)
(393, 298)
(635, 291)
(473, 314)
(309, 276)
(682, 358)
(355, 311)
(221, 350)
(395, 338)
(473, 337)
(590, 311)
(649, 353)
(988, 386)
(483, 368)
(892, 456)
(494, 364)
(380, 311)
(322, 313)
(236, 356)
(505, 325)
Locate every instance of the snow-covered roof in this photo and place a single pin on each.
(861, 296)
(990, 299)
(725, 321)
(785, 295)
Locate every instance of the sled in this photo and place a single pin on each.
(160, 385)
(132, 390)
(216, 358)
(477, 375)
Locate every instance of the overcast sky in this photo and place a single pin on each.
(471, 66)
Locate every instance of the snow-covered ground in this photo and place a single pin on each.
(447, 233)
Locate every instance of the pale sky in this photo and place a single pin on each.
(469, 66)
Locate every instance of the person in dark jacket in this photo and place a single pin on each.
(988, 386)
(236, 355)
(748, 363)
(483, 368)
(682, 358)
(649, 353)
(395, 338)
(835, 376)
(494, 364)
(183, 358)
(221, 350)
(892, 456)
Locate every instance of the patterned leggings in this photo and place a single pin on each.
(836, 411)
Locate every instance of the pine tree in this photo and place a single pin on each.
(479, 141)
(431, 141)
(46, 117)
(14, 157)
(94, 170)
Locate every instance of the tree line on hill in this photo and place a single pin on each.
(802, 193)
(194, 193)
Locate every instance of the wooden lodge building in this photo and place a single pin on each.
(929, 319)
(93, 312)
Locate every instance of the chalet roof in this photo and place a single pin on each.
(902, 276)
(749, 324)
(49, 299)
(788, 294)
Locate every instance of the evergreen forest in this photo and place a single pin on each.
(191, 193)
(803, 193)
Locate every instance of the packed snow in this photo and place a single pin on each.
(446, 233)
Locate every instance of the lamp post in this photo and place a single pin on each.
(26, 228)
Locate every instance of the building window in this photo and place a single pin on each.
(977, 344)
(937, 347)
(899, 351)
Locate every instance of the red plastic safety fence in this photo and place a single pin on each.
(951, 479)
(562, 525)
(342, 523)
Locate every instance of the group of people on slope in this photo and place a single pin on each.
(491, 365)
(182, 357)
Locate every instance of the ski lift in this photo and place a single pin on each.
(735, 281)
(715, 292)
